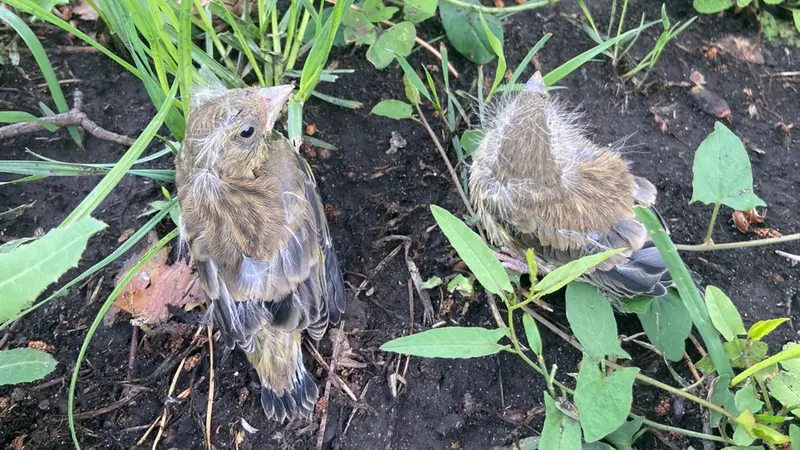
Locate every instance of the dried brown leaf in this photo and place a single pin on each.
(85, 12)
(710, 103)
(741, 49)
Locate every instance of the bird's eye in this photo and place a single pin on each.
(247, 132)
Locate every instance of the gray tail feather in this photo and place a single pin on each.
(297, 403)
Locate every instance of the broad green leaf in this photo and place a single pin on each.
(529, 443)
(470, 140)
(26, 271)
(667, 323)
(785, 388)
(743, 353)
(769, 435)
(418, 10)
(465, 32)
(22, 365)
(461, 284)
(449, 342)
(764, 327)
(476, 254)
(357, 29)
(774, 2)
(375, 11)
(636, 305)
(741, 436)
(622, 438)
(724, 315)
(432, 282)
(591, 318)
(563, 275)
(597, 445)
(794, 434)
(603, 401)
(796, 18)
(770, 419)
(398, 39)
(791, 365)
(393, 109)
(497, 47)
(721, 172)
(559, 432)
(783, 355)
(532, 334)
(720, 396)
(746, 399)
(711, 6)
(769, 24)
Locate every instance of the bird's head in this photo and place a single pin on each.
(231, 128)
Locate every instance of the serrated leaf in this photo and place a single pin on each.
(465, 32)
(563, 275)
(667, 324)
(475, 253)
(418, 10)
(743, 353)
(398, 39)
(711, 6)
(746, 399)
(792, 365)
(412, 93)
(532, 334)
(449, 342)
(591, 319)
(603, 401)
(27, 270)
(764, 327)
(785, 388)
(559, 432)
(358, 29)
(375, 11)
(721, 172)
(22, 365)
(723, 313)
(393, 109)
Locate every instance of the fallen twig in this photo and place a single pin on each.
(427, 315)
(331, 368)
(707, 247)
(210, 404)
(73, 117)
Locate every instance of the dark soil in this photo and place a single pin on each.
(477, 403)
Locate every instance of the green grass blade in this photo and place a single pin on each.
(99, 319)
(39, 55)
(525, 61)
(237, 31)
(686, 288)
(568, 67)
(321, 49)
(185, 69)
(110, 181)
(349, 104)
(22, 116)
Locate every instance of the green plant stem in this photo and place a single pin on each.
(707, 247)
(506, 10)
(683, 431)
(711, 223)
(297, 41)
(614, 60)
(99, 319)
(765, 394)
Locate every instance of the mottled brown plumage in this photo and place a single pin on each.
(251, 213)
(537, 182)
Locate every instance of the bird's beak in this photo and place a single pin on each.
(274, 99)
(535, 84)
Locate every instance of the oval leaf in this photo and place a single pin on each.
(603, 401)
(721, 172)
(724, 316)
(560, 432)
(398, 39)
(418, 10)
(591, 318)
(667, 323)
(532, 334)
(764, 327)
(26, 271)
(449, 342)
(358, 29)
(476, 254)
(785, 387)
(563, 275)
(465, 31)
(22, 365)
(393, 109)
(711, 6)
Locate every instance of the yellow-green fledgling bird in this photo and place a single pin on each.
(537, 182)
(251, 213)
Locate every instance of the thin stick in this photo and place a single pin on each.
(692, 369)
(73, 117)
(504, 10)
(791, 256)
(734, 245)
(450, 168)
(132, 353)
(331, 368)
(210, 403)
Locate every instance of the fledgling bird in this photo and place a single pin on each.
(537, 182)
(251, 213)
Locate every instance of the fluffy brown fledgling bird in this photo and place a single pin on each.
(251, 213)
(537, 182)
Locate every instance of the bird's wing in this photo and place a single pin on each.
(300, 288)
(639, 270)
